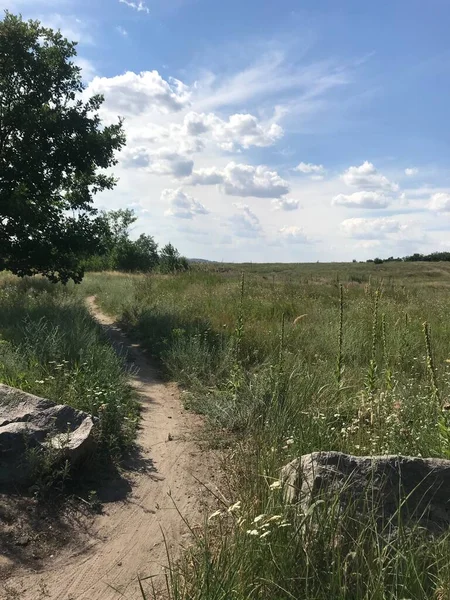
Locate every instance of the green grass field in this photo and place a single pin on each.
(289, 359)
(282, 361)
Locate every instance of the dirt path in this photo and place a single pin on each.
(127, 540)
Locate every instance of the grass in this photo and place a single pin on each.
(287, 360)
(51, 346)
(290, 360)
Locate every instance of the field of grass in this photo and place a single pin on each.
(51, 346)
(282, 360)
(285, 360)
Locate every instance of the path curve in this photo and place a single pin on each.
(128, 539)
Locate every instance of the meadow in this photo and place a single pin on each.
(282, 360)
(51, 346)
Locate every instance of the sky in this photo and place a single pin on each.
(272, 130)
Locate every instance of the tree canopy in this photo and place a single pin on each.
(53, 154)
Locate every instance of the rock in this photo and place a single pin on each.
(29, 422)
(384, 486)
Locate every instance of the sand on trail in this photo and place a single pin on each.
(127, 539)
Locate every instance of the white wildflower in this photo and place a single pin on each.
(234, 507)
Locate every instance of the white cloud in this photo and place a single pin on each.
(182, 206)
(243, 180)
(241, 130)
(361, 200)
(207, 176)
(245, 224)
(88, 70)
(310, 168)
(167, 162)
(122, 30)
(285, 204)
(270, 76)
(247, 180)
(137, 157)
(440, 202)
(411, 171)
(133, 94)
(139, 6)
(367, 177)
(163, 161)
(294, 235)
(371, 229)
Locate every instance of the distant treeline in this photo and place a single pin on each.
(120, 253)
(416, 257)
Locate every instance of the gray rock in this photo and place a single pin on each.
(28, 422)
(417, 489)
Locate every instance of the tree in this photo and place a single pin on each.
(119, 223)
(139, 255)
(53, 152)
(171, 261)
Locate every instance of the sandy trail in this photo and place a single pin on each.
(127, 539)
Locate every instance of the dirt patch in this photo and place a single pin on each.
(128, 538)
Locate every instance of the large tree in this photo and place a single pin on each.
(53, 154)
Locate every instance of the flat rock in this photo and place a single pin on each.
(30, 422)
(384, 486)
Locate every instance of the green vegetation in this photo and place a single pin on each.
(289, 360)
(51, 346)
(131, 256)
(54, 150)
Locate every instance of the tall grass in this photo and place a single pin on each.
(51, 346)
(286, 386)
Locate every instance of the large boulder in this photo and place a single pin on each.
(32, 424)
(416, 489)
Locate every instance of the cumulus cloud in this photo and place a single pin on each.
(207, 176)
(132, 94)
(167, 162)
(246, 180)
(411, 171)
(367, 177)
(294, 235)
(440, 202)
(241, 130)
(371, 229)
(310, 169)
(139, 6)
(245, 224)
(243, 180)
(361, 200)
(136, 158)
(182, 205)
(285, 204)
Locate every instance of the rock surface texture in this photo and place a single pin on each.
(29, 423)
(418, 489)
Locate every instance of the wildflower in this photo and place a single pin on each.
(276, 485)
(215, 514)
(258, 518)
(264, 535)
(275, 518)
(252, 532)
(234, 507)
(41, 381)
(289, 442)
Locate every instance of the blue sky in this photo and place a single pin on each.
(273, 130)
